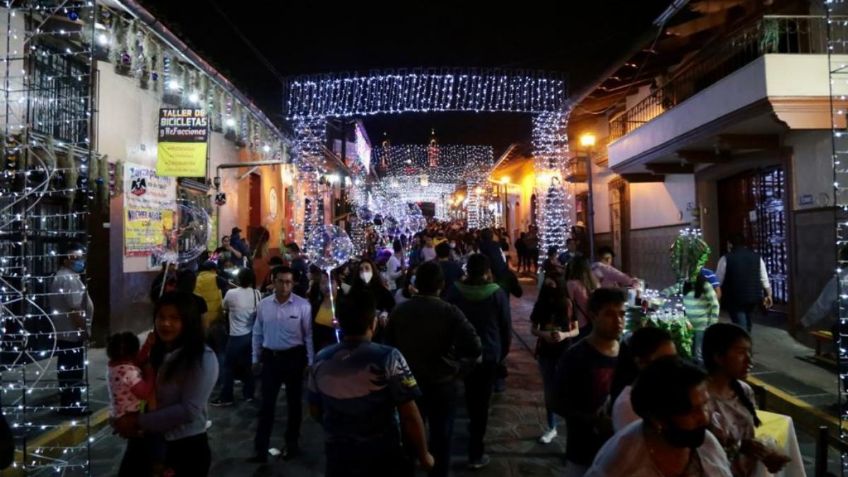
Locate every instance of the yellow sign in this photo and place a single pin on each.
(183, 135)
(181, 159)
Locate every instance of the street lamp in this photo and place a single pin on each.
(587, 141)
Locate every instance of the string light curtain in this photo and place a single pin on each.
(48, 178)
(316, 98)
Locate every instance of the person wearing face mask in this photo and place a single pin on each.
(672, 438)
(367, 277)
(72, 311)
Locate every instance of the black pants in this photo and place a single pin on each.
(138, 458)
(278, 368)
(189, 457)
(478, 395)
(322, 336)
(438, 408)
(70, 372)
(357, 460)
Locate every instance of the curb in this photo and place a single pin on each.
(805, 416)
(64, 435)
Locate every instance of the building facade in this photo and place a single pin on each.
(723, 121)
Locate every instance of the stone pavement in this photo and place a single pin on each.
(517, 419)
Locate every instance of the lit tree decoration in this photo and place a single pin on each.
(550, 151)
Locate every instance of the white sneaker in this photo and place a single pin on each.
(208, 425)
(548, 436)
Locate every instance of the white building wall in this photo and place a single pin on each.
(812, 169)
(601, 176)
(659, 204)
(127, 130)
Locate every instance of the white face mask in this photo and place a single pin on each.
(366, 276)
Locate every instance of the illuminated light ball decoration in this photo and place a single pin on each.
(309, 100)
(190, 236)
(837, 39)
(46, 185)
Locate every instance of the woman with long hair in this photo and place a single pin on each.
(186, 371)
(641, 349)
(580, 283)
(366, 274)
(727, 358)
(554, 327)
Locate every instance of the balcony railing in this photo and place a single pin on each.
(771, 34)
(575, 169)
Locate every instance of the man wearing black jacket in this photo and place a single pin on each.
(486, 306)
(439, 343)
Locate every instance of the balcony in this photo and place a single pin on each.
(575, 169)
(761, 80)
(772, 34)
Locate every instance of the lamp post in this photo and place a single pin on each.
(587, 140)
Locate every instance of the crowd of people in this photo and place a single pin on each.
(384, 347)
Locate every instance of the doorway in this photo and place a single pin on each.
(619, 204)
(753, 203)
(255, 215)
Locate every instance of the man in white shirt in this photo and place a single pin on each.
(282, 349)
(71, 314)
(744, 282)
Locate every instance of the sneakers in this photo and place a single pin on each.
(479, 463)
(221, 403)
(548, 436)
(208, 425)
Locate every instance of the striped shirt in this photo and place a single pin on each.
(701, 312)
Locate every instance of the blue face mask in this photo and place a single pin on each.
(78, 266)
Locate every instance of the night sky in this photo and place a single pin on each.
(580, 38)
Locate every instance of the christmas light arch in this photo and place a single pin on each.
(309, 101)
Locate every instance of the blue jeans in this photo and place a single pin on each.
(697, 344)
(237, 356)
(548, 368)
(742, 315)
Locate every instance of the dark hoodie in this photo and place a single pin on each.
(487, 308)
